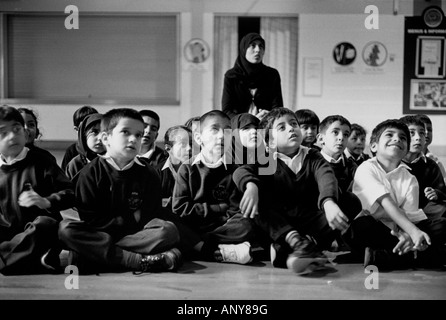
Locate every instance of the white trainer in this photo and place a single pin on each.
(236, 253)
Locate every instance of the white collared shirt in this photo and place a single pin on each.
(371, 182)
(421, 157)
(200, 158)
(295, 163)
(149, 153)
(114, 165)
(19, 157)
(168, 165)
(349, 155)
(333, 160)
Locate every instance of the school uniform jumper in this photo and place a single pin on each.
(120, 212)
(167, 177)
(154, 156)
(357, 159)
(27, 233)
(294, 201)
(207, 201)
(428, 174)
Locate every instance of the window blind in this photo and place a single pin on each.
(109, 58)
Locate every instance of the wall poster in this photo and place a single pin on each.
(424, 89)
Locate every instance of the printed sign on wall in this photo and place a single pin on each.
(344, 54)
(424, 89)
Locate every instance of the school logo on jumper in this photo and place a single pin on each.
(220, 193)
(134, 201)
(374, 54)
(344, 53)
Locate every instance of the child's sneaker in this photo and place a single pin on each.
(236, 253)
(166, 261)
(305, 257)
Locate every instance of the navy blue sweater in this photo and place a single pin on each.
(205, 198)
(285, 196)
(118, 202)
(45, 177)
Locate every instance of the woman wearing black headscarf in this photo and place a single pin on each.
(250, 86)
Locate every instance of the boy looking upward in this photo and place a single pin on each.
(119, 203)
(297, 201)
(391, 223)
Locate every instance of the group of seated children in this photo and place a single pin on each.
(289, 184)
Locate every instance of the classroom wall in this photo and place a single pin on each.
(362, 96)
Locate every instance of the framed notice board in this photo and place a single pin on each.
(424, 89)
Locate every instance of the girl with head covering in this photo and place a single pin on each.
(250, 86)
(249, 153)
(89, 145)
(245, 139)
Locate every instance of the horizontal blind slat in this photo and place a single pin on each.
(108, 57)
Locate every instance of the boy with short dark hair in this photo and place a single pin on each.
(432, 188)
(119, 203)
(391, 223)
(309, 126)
(297, 201)
(78, 116)
(206, 198)
(33, 191)
(177, 143)
(333, 135)
(356, 144)
(149, 149)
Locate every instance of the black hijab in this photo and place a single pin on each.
(253, 72)
(241, 154)
(86, 124)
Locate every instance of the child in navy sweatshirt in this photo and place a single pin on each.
(206, 198)
(299, 200)
(33, 191)
(432, 191)
(122, 225)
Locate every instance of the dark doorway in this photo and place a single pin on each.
(247, 25)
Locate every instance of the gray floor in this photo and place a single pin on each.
(197, 280)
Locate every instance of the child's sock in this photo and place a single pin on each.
(131, 260)
(292, 238)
